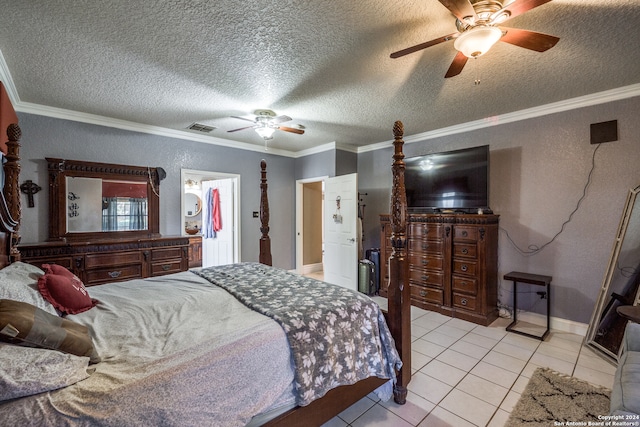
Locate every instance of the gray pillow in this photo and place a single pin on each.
(25, 371)
(19, 282)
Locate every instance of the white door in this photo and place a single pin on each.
(218, 246)
(340, 231)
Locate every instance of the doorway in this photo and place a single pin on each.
(221, 246)
(310, 225)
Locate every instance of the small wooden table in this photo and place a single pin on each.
(531, 279)
(630, 312)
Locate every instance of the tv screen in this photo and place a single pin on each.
(453, 180)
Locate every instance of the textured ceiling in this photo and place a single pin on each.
(324, 63)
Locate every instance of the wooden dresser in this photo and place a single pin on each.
(112, 260)
(195, 251)
(453, 264)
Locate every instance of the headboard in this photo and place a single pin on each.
(10, 199)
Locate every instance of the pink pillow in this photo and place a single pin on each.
(64, 290)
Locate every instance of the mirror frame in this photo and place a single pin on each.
(603, 298)
(60, 169)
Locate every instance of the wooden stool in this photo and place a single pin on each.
(531, 279)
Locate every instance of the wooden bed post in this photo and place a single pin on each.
(11, 188)
(265, 240)
(398, 293)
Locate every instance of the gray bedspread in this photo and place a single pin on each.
(337, 336)
(176, 351)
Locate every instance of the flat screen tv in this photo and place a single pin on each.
(449, 181)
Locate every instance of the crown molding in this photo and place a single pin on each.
(543, 110)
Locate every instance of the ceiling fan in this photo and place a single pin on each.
(477, 23)
(266, 123)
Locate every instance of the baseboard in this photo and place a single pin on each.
(557, 323)
(311, 268)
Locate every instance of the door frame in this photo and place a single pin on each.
(201, 175)
(300, 218)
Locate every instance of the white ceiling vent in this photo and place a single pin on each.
(199, 127)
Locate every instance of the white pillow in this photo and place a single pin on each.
(25, 371)
(19, 282)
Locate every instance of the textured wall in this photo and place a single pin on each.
(49, 137)
(539, 168)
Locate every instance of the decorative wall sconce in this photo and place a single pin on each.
(30, 188)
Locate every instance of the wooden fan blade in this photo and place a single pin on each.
(424, 45)
(529, 39)
(281, 119)
(292, 130)
(243, 118)
(518, 7)
(236, 130)
(456, 66)
(461, 9)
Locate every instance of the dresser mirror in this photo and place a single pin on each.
(621, 283)
(91, 200)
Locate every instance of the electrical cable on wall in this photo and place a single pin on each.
(534, 249)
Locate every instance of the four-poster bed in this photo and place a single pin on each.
(178, 377)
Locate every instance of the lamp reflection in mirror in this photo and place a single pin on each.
(477, 41)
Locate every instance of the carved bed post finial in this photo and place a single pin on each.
(398, 293)
(11, 189)
(265, 240)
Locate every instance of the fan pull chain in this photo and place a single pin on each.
(476, 68)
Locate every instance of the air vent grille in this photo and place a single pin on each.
(199, 127)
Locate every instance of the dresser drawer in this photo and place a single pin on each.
(464, 301)
(166, 253)
(427, 231)
(464, 267)
(427, 262)
(111, 259)
(465, 284)
(465, 250)
(465, 233)
(422, 277)
(426, 294)
(166, 267)
(425, 246)
(115, 274)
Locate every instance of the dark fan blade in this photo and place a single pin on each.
(529, 39)
(236, 130)
(292, 130)
(424, 45)
(456, 66)
(243, 118)
(280, 119)
(518, 7)
(461, 9)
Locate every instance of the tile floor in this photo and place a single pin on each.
(464, 374)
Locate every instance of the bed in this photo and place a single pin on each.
(243, 344)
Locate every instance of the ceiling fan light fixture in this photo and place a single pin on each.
(265, 132)
(477, 41)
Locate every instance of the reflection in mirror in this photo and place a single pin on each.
(95, 204)
(192, 205)
(621, 282)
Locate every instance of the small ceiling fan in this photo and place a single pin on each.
(266, 123)
(477, 23)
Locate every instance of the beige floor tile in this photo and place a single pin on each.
(510, 401)
(440, 417)
(461, 324)
(547, 361)
(413, 411)
(594, 377)
(558, 352)
(529, 370)
(504, 361)
(480, 340)
(490, 332)
(426, 322)
(469, 349)
(418, 331)
(521, 341)
(483, 389)
(451, 331)
(356, 410)
(335, 422)
(446, 373)
(499, 419)
(439, 338)
(520, 384)
(458, 360)
(468, 407)
(379, 416)
(419, 360)
(428, 387)
(427, 348)
(514, 350)
(494, 374)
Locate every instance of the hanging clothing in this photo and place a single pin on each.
(216, 220)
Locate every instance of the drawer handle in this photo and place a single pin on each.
(463, 301)
(465, 251)
(425, 246)
(114, 274)
(464, 234)
(425, 261)
(464, 267)
(166, 267)
(425, 277)
(423, 293)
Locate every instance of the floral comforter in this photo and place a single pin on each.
(337, 336)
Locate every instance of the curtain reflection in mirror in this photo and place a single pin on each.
(124, 214)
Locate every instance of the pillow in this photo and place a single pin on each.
(19, 282)
(64, 290)
(26, 325)
(25, 371)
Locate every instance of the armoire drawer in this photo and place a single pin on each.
(465, 250)
(166, 267)
(427, 294)
(425, 246)
(464, 267)
(111, 259)
(462, 232)
(464, 301)
(431, 231)
(114, 274)
(423, 277)
(465, 284)
(426, 262)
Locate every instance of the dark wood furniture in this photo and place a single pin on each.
(398, 315)
(536, 280)
(112, 260)
(630, 312)
(195, 251)
(453, 263)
